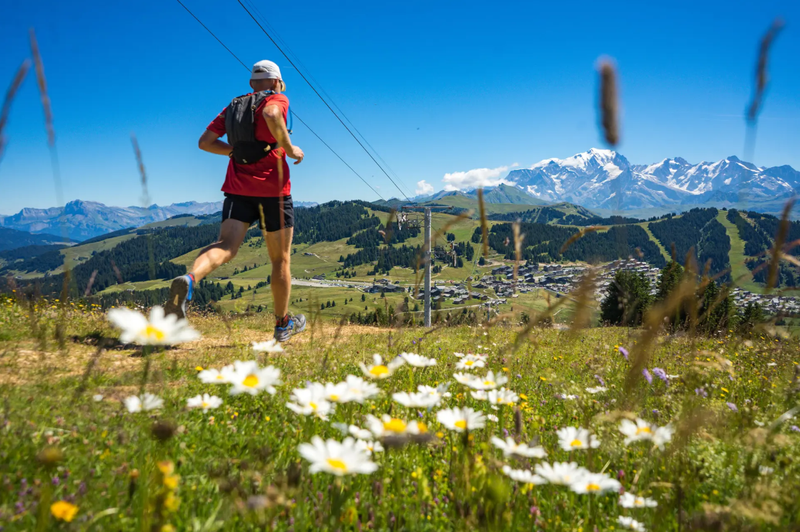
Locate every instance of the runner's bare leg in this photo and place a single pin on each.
(231, 236)
(279, 246)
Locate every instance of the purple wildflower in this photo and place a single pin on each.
(535, 510)
(794, 428)
(600, 380)
(701, 392)
(505, 433)
(732, 407)
(620, 474)
(647, 376)
(661, 374)
(624, 352)
(56, 481)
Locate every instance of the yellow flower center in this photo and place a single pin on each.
(337, 464)
(220, 377)
(379, 370)
(250, 381)
(395, 425)
(592, 487)
(313, 406)
(334, 397)
(152, 332)
(488, 383)
(576, 443)
(645, 430)
(461, 423)
(468, 362)
(638, 502)
(205, 405)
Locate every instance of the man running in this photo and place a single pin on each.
(258, 175)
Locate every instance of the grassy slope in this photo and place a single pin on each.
(247, 446)
(739, 271)
(646, 226)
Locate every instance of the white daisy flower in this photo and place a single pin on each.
(572, 438)
(369, 446)
(359, 390)
(629, 500)
(336, 458)
(480, 395)
(334, 393)
(310, 402)
(147, 401)
(561, 473)
(213, 376)
(417, 361)
(568, 397)
(463, 378)
(492, 417)
(247, 377)
(270, 346)
(523, 475)
(596, 389)
(205, 401)
(595, 484)
(438, 393)
(512, 448)
(502, 397)
(379, 370)
(489, 382)
(470, 362)
(461, 419)
(636, 431)
(663, 435)
(157, 329)
(97, 398)
(630, 522)
(392, 426)
(415, 400)
(359, 433)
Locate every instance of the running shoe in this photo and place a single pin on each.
(180, 291)
(295, 325)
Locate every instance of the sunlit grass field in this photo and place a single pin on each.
(732, 461)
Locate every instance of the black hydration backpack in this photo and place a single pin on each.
(240, 119)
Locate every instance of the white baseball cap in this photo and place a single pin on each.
(267, 70)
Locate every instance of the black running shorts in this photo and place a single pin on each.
(278, 212)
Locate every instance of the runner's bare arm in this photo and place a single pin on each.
(274, 117)
(210, 142)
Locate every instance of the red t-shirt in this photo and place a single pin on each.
(267, 178)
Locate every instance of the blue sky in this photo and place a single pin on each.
(436, 88)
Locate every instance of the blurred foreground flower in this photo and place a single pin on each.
(594, 484)
(369, 446)
(642, 430)
(470, 362)
(416, 400)
(337, 458)
(158, 329)
(572, 438)
(310, 401)
(512, 448)
(358, 390)
(631, 523)
(147, 401)
(63, 511)
(379, 370)
(461, 419)
(523, 475)
(561, 473)
(213, 376)
(489, 382)
(392, 426)
(248, 377)
(629, 500)
(418, 361)
(205, 401)
(270, 346)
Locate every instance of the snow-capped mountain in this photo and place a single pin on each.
(605, 179)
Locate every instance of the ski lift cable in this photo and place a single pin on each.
(313, 88)
(293, 112)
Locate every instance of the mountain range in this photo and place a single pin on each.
(89, 219)
(606, 180)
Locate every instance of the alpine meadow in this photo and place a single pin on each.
(579, 344)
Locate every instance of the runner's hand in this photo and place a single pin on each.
(296, 153)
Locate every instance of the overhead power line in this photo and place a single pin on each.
(293, 112)
(280, 49)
